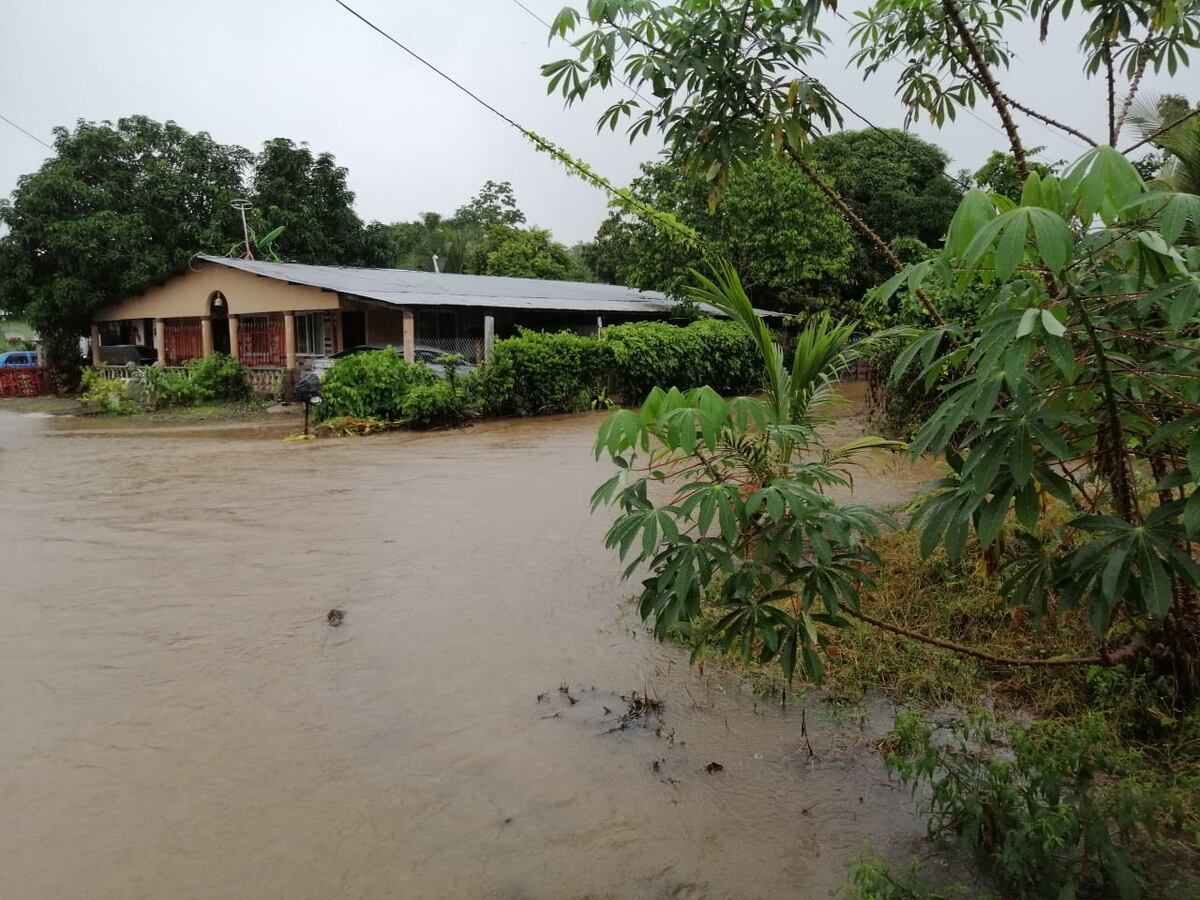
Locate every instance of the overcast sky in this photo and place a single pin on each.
(305, 69)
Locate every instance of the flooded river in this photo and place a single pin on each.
(180, 721)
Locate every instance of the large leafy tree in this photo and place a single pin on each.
(524, 253)
(895, 181)
(793, 251)
(308, 195)
(116, 206)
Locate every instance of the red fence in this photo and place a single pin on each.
(25, 382)
(260, 342)
(184, 342)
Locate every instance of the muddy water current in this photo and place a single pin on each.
(180, 721)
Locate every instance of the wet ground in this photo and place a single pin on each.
(180, 720)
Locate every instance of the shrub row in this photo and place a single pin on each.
(216, 377)
(536, 373)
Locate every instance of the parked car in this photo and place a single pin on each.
(421, 352)
(18, 359)
(124, 354)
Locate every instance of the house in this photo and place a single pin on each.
(278, 317)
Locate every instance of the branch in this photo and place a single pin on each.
(1122, 654)
(1134, 84)
(1041, 117)
(990, 85)
(1112, 95)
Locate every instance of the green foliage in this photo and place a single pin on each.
(898, 183)
(1179, 166)
(708, 352)
(769, 220)
(218, 377)
(304, 200)
(523, 253)
(1053, 810)
(494, 204)
(536, 373)
(371, 385)
(999, 174)
(1085, 356)
(440, 403)
(115, 207)
(110, 395)
(160, 387)
(871, 878)
(749, 520)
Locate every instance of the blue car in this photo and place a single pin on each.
(18, 359)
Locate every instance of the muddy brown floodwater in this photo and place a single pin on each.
(179, 720)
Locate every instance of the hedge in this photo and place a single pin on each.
(536, 373)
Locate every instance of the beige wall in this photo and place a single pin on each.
(188, 294)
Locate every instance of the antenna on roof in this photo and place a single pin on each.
(436, 267)
(241, 206)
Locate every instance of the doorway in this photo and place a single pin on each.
(218, 312)
(354, 328)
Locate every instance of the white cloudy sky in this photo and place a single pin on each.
(305, 69)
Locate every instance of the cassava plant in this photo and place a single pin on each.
(732, 493)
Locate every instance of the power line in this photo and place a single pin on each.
(28, 134)
(589, 176)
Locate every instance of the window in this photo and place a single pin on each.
(310, 334)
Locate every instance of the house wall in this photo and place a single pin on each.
(188, 295)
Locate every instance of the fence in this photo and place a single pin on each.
(266, 381)
(471, 349)
(26, 382)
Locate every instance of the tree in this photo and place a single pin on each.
(792, 250)
(998, 175)
(895, 181)
(308, 195)
(116, 207)
(494, 204)
(524, 253)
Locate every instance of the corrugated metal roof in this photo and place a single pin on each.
(403, 287)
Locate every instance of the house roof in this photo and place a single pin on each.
(404, 287)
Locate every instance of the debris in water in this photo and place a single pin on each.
(713, 768)
(639, 706)
(335, 617)
(565, 690)
(541, 697)
(607, 711)
(655, 767)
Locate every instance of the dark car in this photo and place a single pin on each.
(124, 354)
(421, 353)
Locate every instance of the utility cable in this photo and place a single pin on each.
(28, 134)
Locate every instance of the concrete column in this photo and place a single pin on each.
(410, 336)
(489, 338)
(206, 337)
(160, 340)
(339, 341)
(234, 337)
(599, 324)
(97, 360)
(289, 340)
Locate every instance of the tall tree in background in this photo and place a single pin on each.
(116, 207)
(792, 249)
(1154, 119)
(494, 204)
(895, 181)
(309, 196)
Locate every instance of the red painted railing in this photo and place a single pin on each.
(260, 342)
(25, 382)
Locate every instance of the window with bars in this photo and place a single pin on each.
(310, 334)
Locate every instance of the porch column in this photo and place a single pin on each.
(206, 337)
(338, 340)
(160, 340)
(234, 350)
(410, 336)
(97, 359)
(489, 338)
(289, 340)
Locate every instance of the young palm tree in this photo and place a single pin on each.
(1181, 143)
